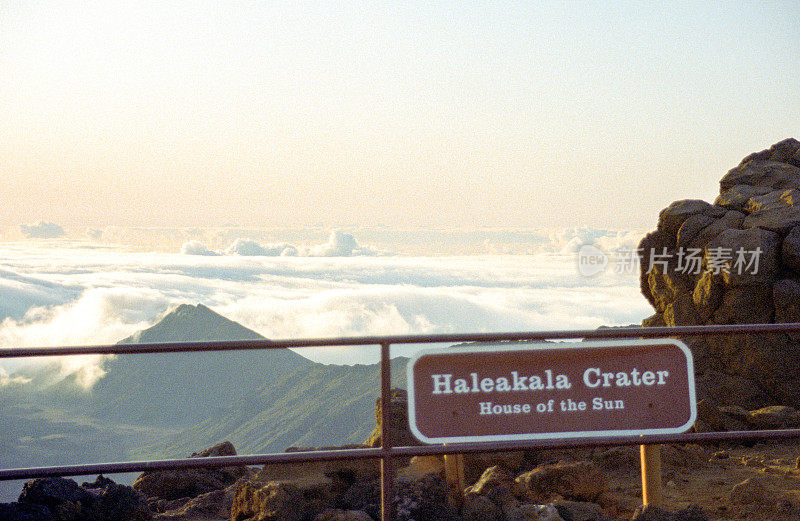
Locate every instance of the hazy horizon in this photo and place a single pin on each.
(330, 114)
(426, 241)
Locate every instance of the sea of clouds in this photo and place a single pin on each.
(339, 244)
(69, 292)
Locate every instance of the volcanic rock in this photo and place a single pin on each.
(271, 501)
(59, 495)
(114, 502)
(362, 495)
(398, 421)
(733, 262)
(580, 481)
(102, 500)
(752, 490)
(775, 417)
(652, 513)
(580, 511)
(182, 483)
(424, 499)
(25, 512)
(214, 505)
(342, 515)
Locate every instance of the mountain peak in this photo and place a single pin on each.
(192, 323)
(166, 388)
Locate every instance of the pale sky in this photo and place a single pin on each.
(433, 114)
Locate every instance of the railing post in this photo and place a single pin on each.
(454, 477)
(387, 464)
(652, 492)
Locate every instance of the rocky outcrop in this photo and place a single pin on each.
(116, 502)
(62, 499)
(398, 421)
(214, 505)
(582, 481)
(731, 262)
(752, 490)
(24, 512)
(496, 495)
(424, 499)
(651, 513)
(320, 491)
(267, 501)
(334, 514)
(189, 483)
(712, 418)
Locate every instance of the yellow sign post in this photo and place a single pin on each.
(454, 475)
(652, 493)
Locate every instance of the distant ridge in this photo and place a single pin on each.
(187, 323)
(180, 389)
(261, 400)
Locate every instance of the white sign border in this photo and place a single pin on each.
(523, 346)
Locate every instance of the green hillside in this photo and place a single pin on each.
(170, 405)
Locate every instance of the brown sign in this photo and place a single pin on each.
(537, 391)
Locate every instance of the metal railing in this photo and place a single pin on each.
(388, 453)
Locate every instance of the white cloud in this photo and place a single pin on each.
(340, 244)
(403, 309)
(570, 240)
(20, 293)
(317, 242)
(196, 248)
(7, 381)
(251, 248)
(72, 295)
(98, 316)
(42, 230)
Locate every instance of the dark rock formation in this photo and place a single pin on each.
(563, 491)
(580, 481)
(189, 483)
(333, 514)
(580, 511)
(651, 513)
(206, 507)
(63, 500)
(362, 495)
(59, 495)
(24, 512)
(262, 501)
(116, 502)
(732, 262)
(398, 421)
(496, 495)
(424, 499)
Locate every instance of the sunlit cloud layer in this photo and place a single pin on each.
(74, 294)
(339, 244)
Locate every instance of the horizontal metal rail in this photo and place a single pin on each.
(387, 452)
(233, 345)
(377, 453)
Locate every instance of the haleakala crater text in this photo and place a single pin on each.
(593, 377)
